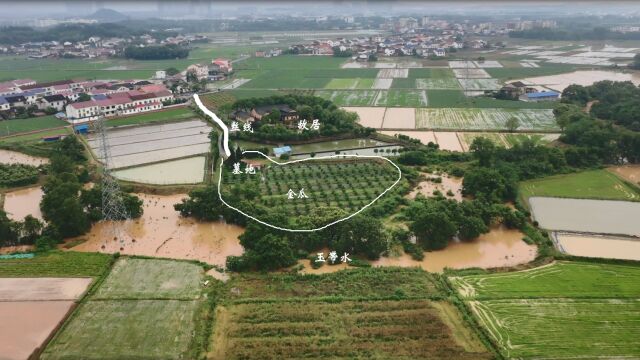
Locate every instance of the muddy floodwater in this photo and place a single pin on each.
(14, 157)
(35, 289)
(582, 215)
(610, 247)
(23, 202)
(26, 325)
(448, 183)
(499, 248)
(161, 232)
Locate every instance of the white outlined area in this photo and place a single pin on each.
(225, 144)
(307, 159)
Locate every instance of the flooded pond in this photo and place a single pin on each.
(14, 157)
(161, 232)
(448, 183)
(582, 77)
(610, 247)
(582, 215)
(499, 248)
(23, 202)
(26, 325)
(183, 171)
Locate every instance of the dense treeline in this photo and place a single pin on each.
(595, 33)
(333, 120)
(14, 35)
(156, 52)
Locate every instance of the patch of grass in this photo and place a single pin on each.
(593, 184)
(158, 279)
(57, 264)
(180, 113)
(134, 329)
(15, 126)
(446, 98)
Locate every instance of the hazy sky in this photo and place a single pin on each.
(71, 8)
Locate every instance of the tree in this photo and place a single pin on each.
(577, 94)
(490, 184)
(83, 97)
(270, 252)
(512, 123)
(360, 234)
(471, 227)
(171, 71)
(433, 229)
(483, 150)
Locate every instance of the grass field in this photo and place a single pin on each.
(10, 127)
(144, 279)
(145, 309)
(375, 313)
(593, 184)
(56, 264)
(559, 311)
(349, 185)
(484, 119)
(179, 113)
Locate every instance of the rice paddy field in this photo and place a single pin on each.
(479, 84)
(484, 119)
(348, 184)
(598, 246)
(391, 97)
(592, 184)
(350, 84)
(174, 114)
(155, 143)
(559, 311)
(183, 171)
(382, 313)
(145, 309)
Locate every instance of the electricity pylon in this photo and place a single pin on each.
(113, 209)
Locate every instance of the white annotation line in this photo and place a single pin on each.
(307, 159)
(225, 129)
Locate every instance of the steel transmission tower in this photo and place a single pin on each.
(113, 209)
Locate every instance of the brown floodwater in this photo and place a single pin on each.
(162, 232)
(36, 289)
(14, 157)
(427, 188)
(631, 173)
(499, 248)
(610, 247)
(26, 325)
(23, 202)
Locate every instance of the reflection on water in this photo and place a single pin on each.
(161, 232)
(23, 202)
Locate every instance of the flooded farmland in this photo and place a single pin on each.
(448, 183)
(583, 77)
(499, 248)
(448, 141)
(14, 157)
(162, 232)
(23, 202)
(631, 173)
(399, 118)
(610, 247)
(582, 215)
(183, 171)
(369, 116)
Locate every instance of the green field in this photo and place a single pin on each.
(565, 310)
(402, 98)
(144, 279)
(356, 83)
(56, 264)
(376, 313)
(484, 119)
(145, 309)
(593, 184)
(506, 140)
(348, 185)
(455, 99)
(350, 98)
(179, 113)
(512, 73)
(15, 126)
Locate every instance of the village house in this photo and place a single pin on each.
(52, 101)
(4, 104)
(200, 71)
(288, 116)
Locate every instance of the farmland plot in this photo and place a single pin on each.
(425, 137)
(385, 65)
(487, 64)
(393, 73)
(406, 98)
(447, 83)
(448, 141)
(369, 116)
(502, 139)
(456, 64)
(471, 73)
(399, 118)
(382, 83)
(357, 83)
(349, 98)
(599, 246)
(480, 84)
(481, 119)
(182, 171)
(558, 311)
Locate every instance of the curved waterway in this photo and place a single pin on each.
(162, 232)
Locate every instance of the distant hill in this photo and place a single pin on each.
(108, 15)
